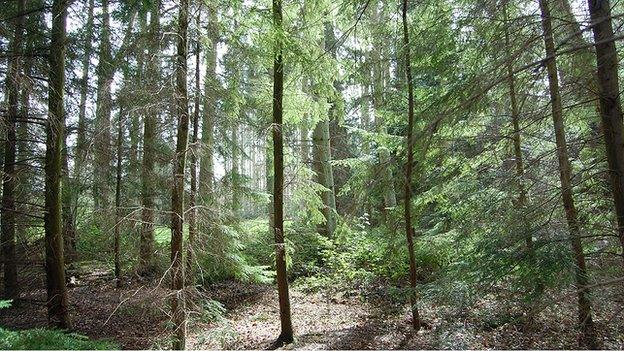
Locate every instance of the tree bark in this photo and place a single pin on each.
(102, 138)
(325, 175)
(69, 230)
(235, 171)
(286, 335)
(81, 136)
(211, 84)
(409, 231)
(118, 210)
(9, 180)
(385, 166)
(610, 105)
(148, 172)
(177, 195)
(521, 200)
(585, 315)
(58, 314)
(193, 196)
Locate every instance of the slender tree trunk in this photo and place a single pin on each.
(585, 315)
(81, 135)
(304, 150)
(519, 162)
(365, 116)
(235, 172)
(211, 85)
(286, 335)
(69, 231)
(102, 143)
(385, 165)
(58, 314)
(177, 196)
(610, 105)
(25, 148)
(325, 175)
(409, 231)
(118, 210)
(148, 172)
(9, 180)
(192, 198)
(269, 186)
(338, 136)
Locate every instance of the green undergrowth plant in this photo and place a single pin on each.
(44, 339)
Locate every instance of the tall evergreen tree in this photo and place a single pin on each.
(584, 305)
(58, 313)
(286, 334)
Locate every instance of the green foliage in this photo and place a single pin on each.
(44, 339)
(223, 255)
(359, 257)
(212, 311)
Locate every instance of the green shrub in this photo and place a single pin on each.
(44, 339)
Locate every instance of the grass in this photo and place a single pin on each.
(45, 339)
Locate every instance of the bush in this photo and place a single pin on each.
(44, 339)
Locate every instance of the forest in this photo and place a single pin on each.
(311, 174)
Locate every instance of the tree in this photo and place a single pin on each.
(409, 231)
(521, 199)
(178, 312)
(286, 335)
(324, 173)
(610, 105)
(102, 142)
(193, 195)
(118, 210)
(584, 305)
(58, 314)
(81, 138)
(211, 84)
(9, 179)
(378, 69)
(146, 249)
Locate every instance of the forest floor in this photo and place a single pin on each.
(135, 316)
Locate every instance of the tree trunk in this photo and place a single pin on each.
(102, 142)
(385, 167)
(286, 335)
(338, 135)
(365, 117)
(521, 200)
(118, 210)
(585, 315)
(58, 314)
(235, 171)
(148, 172)
(81, 136)
(610, 106)
(9, 180)
(325, 175)
(192, 198)
(211, 85)
(69, 231)
(409, 231)
(178, 312)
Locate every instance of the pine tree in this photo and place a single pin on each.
(9, 179)
(584, 305)
(286, 334)
(58, 314)
(178, 308)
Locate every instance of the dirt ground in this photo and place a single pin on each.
(135, 316)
